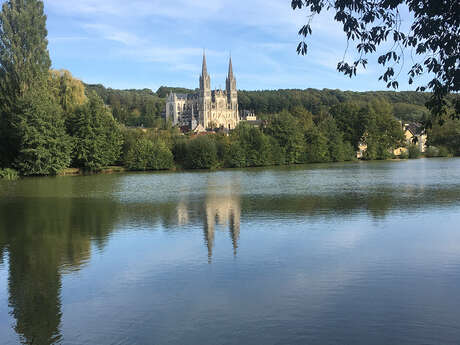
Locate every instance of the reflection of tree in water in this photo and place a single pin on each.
(45, 237)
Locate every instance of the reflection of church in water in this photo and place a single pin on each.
(221, 209)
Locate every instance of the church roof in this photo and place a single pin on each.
(181, 95)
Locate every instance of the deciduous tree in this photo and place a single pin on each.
(43, 145)
(97, 136)
(433, 37)
(24, 65)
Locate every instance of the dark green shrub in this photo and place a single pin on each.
(179, 151)
(43, 146)
(316, 150)
(414, 152)
(277, 156)
(148, 155)
(97, 135)
(443, 152)
(235, 156)
(202, 153)
(9, 174)
(404, 155)
(432, 152)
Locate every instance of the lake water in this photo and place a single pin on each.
(357, 253)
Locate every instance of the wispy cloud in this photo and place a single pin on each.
(111, 33)
(156, 42)
(59, 39)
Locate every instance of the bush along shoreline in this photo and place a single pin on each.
(51, 121)
(100, 145)
(9, 174)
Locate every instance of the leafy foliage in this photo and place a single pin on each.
(201, 153)
(24, 57)
(433, 36)
(68, 91)
(285, 129)
(250, 147)
(24, 65)
(163, 91)
(446, 137)
(139, 108)
(97, 136)
(145, 154)
(414, 151)
(43, 146)
(409, 106)
(9, 174)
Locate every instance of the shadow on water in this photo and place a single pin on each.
(48, 227)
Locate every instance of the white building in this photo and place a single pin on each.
(206, 108)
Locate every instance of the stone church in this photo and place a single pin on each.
(205, 109)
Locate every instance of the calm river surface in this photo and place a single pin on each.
(358, 253)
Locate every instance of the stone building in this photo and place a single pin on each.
(414, 134)
(205, 109)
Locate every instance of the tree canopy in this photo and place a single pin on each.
(32, 132)
(433, 37)
(139, 108)
(67, 90)
(24, 57)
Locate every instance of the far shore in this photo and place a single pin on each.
(122, 169)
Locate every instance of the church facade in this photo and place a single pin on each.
(205, 109)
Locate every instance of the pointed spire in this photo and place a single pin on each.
(230, 69)
(204, 70)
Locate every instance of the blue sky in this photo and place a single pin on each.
(149, 43)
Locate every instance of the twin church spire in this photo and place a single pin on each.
(206, 109)
(230, 82)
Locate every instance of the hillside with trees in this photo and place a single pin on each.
(144, 108)
(50, 121)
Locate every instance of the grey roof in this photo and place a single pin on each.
(415, 128)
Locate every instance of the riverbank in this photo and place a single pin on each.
(80, 171)
(122, 169)
(11, 174)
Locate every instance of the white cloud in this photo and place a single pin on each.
(57, 39)
(165, 39)
(260, 13)
(111, 33)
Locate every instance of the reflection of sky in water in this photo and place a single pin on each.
(325, 254)
(313, 273)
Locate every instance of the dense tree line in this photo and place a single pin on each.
(408, 106)
(50, 121)
(294, 137)
(137, 108)
(47, 121)
(145, 107)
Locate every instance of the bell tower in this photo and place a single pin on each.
(232, 94)
(205, 94)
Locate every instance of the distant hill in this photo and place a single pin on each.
(144, 107)
(132, 107)
(409, 106)
(163, 91)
